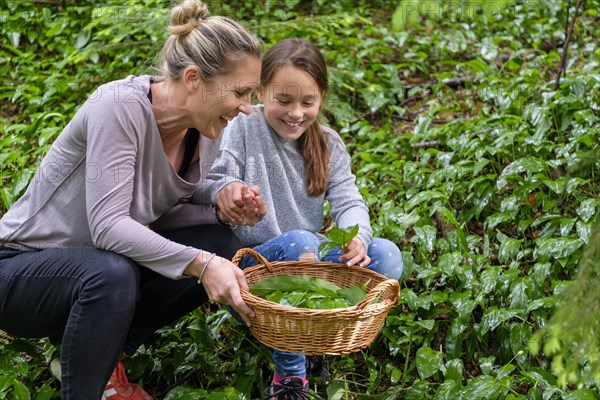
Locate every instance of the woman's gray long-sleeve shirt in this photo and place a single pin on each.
(105, 178)
(252, 152)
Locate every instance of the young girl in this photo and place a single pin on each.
(297, 164)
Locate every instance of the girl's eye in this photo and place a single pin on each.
(309, 103)
(284, 102)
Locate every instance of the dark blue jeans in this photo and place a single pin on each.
(99, 302)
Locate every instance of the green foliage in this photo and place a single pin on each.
(307, 292)
(337, 237)
(461, 148)
(572, 337)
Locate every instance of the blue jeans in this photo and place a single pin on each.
(385, 260)
(99, 302)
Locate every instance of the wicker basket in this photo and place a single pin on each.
(317, 332)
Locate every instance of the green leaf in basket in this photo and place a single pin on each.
(289, 283)
(325, 303)
(354, 294)
(308, 292)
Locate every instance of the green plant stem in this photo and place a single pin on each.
(406, 358)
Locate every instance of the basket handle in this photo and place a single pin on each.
(257, 256)
(390, 284)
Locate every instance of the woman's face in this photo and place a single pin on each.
(292, 100)
(219, 101)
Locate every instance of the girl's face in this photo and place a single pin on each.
(292, 100)
(215, 103)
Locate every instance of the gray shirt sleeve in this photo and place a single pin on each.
(346, 203)
(110, 179)
(113, 144)
(228, 166)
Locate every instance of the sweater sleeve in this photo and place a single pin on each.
(346, 203)
(228, 166)
(114, 130)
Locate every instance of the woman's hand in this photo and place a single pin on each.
(222, 281)
(240, 204)
(355, 253)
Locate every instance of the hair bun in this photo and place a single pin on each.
(187, 17)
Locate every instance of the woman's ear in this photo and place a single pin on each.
(192, 78)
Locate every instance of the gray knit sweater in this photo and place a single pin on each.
(252, 152)
(105, 178)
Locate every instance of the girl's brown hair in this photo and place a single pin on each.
(313, 145)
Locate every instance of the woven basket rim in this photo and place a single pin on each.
(340, 330)
(280, 266)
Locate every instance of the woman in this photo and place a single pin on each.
(76, 254)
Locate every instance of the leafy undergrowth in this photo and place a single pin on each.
(483, 173)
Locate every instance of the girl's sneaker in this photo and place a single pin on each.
(289, 388)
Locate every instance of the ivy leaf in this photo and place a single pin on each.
(518, 297)
(581, 394)
(587, 209)
(83, 38)
(325, 248)
(482, 387)
(494, 317)
(395, 375)
(519, 339)
(529, 164)
(496, 219)
(423, 197)
(288, 283)
(354, 294)
(20, 391)
(427, 324)
(556, 247)
(425, 235)
(338, 237)
(489, 279)
(505, 371)
(429, 362)
(341, 236)
(336, 391)
(454, 370)
(508, 250)
(375, 97)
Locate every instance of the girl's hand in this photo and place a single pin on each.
(240, 204)
(355, 253)
(222, 281)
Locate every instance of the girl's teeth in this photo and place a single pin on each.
(292, 124)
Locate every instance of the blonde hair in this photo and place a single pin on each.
(212, 43)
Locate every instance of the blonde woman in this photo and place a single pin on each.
(77, 257)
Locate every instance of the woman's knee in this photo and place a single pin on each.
(386, 258)
(114, 278)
